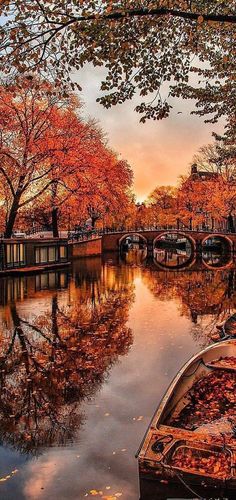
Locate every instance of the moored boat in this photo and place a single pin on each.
(190, 445)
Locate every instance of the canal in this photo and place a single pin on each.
(86, 354)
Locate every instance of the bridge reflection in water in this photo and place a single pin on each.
(175, 251)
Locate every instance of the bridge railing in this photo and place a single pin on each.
(138, 229)
(86, 236)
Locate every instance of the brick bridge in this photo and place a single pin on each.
(112, 241)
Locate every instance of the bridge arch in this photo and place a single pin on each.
(174, 260)
(222, 237)
(188, 237)
(127, 235)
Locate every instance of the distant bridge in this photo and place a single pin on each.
(112, 241)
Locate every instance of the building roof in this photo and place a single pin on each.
(202, 174)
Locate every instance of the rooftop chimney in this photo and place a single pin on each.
(194, 169)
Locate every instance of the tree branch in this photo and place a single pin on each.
(144, 12)
(130, 13)
(36, 195)
(8, 181)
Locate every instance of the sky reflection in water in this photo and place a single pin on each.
(83, 368)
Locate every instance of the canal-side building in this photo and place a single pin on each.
(16, 254)
(202, 175)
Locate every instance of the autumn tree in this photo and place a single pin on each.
(194, 196)
(162, 205)
(103, 192)
(186, 47)
(141, 219)
(34, 148)
(73, 164)
(219, 160)
(52, 158)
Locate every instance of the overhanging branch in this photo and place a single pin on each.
(159, 12)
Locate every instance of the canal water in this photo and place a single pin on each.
(86, 354)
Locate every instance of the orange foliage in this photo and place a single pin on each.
(51, 158)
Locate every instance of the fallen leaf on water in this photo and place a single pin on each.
(109, 497)
(93, 492)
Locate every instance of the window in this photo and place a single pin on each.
(15, 289)
(15, 254)
(50, 281)
(37, 255)
(63, 252)
(52, 254)
(44, 255)
(63, 280)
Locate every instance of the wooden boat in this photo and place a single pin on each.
(190, 445)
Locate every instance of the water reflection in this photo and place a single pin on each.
(135, 256)
(51, 362)
(172, 258)
(85, 356)
(221, 244)
(173, 250)
(133, 249)
(216, 259)
(164, 491)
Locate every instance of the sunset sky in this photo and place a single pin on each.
(158, 152)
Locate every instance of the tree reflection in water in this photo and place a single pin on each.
(50, 363)
(207, 297)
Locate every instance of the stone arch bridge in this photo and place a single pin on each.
(112, 241)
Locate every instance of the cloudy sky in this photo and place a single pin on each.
(157, 151)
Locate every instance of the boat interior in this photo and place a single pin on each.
(192, 436)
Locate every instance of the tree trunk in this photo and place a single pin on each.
(19, 331)
(12, 216)
(230, 221)
(55, 231)
(93, 221)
